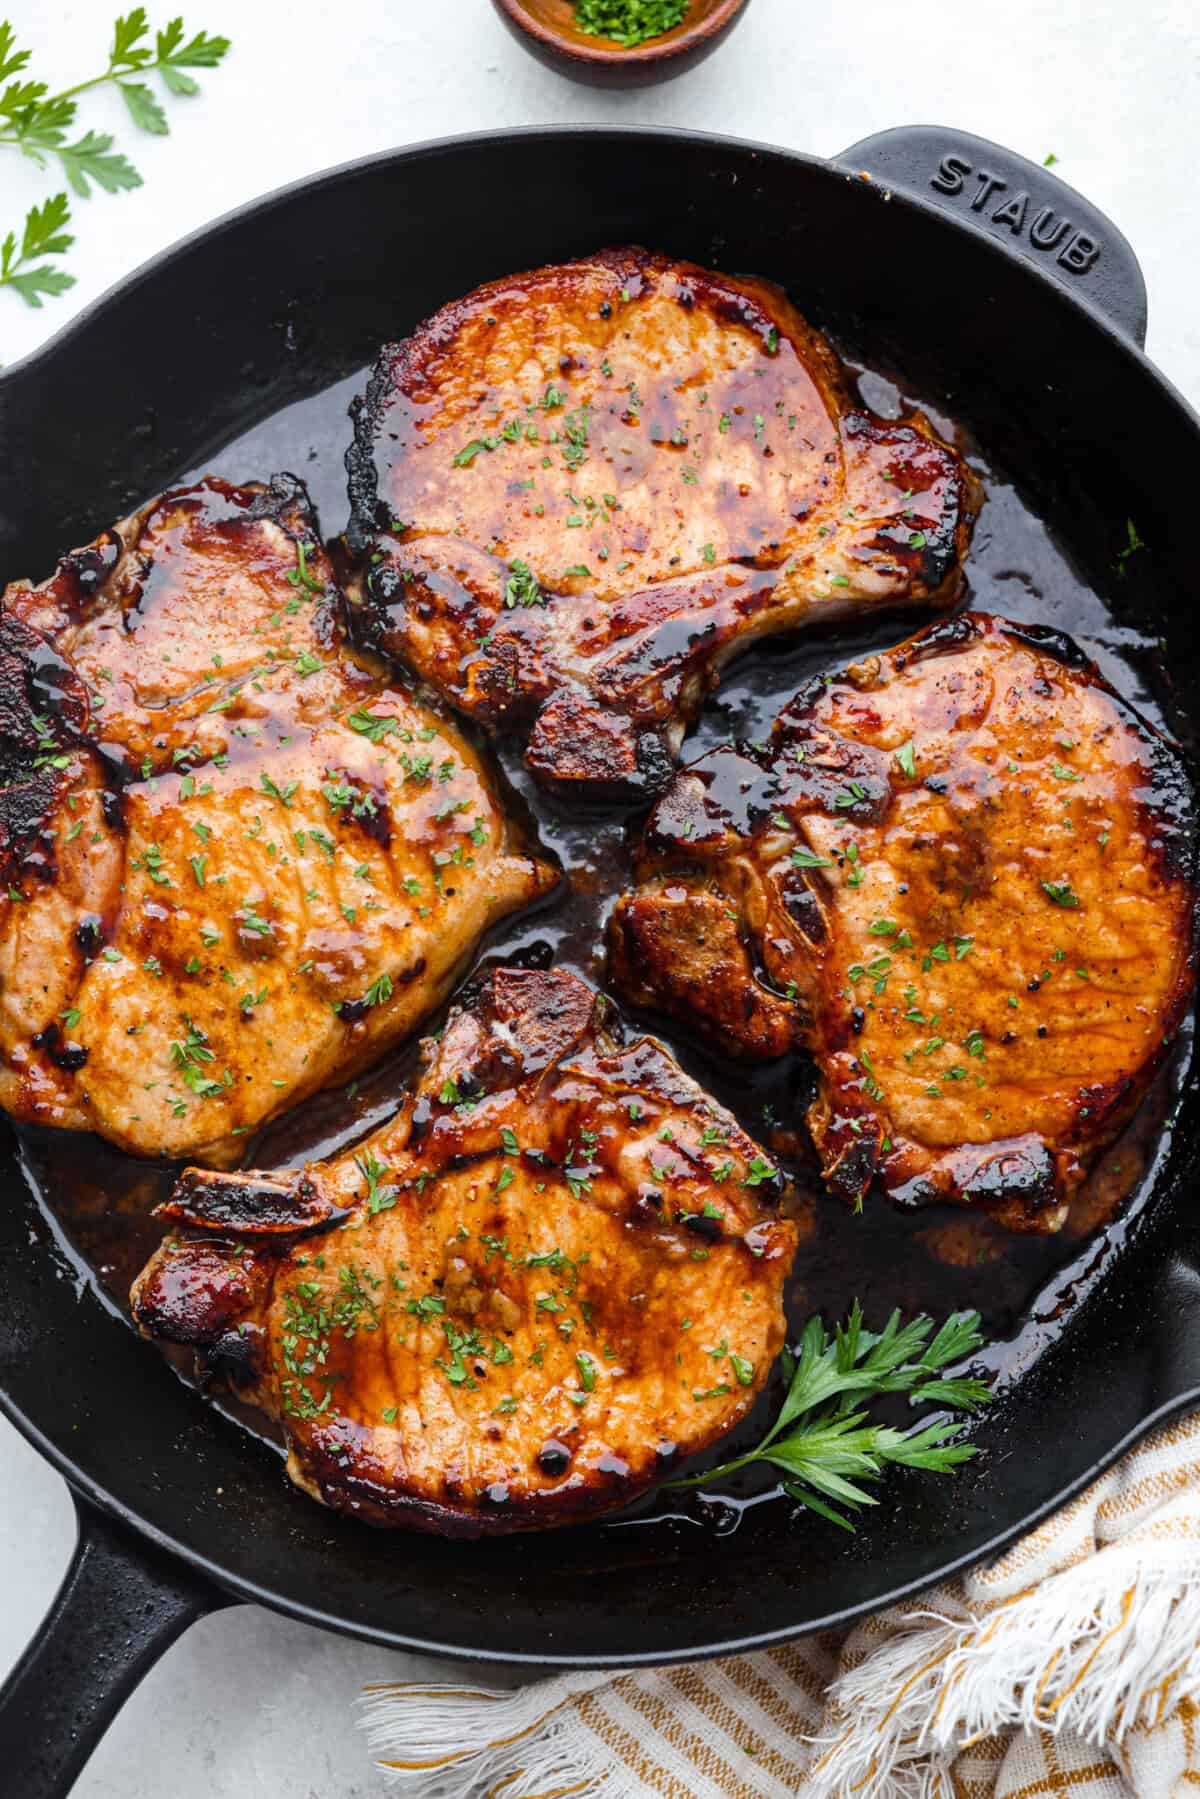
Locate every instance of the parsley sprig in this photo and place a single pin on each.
(45, 234)
(824, 1441)
(39, 124)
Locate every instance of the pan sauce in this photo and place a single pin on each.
(939, 1260)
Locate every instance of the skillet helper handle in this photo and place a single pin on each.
(122, 1603)
(1024, 207)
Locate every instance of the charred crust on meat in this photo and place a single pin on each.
(284, 500)
(112, 807)
(225, 1203)
(554, 1458)
(943, 638)
(851, 1167)
(724, 793)
(1022, 1172)
(1047, 640)
(43, 708)
(1169, 807)
(82, 573)
(89, 934)
(360, 805)
(194, 1291)
(805, 907)
(368, 513)
(69, 1056)
(700, 1224)
(576, 743)
(24, 809)
(353, 1011)
(550, 1015)
(236, 1357)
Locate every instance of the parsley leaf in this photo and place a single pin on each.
(45, 234)
(823, 1441)
(521, 588)
(38, 124)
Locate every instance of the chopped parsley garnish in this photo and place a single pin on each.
(758, 1171)
(521, 588)
(1061, 893)
(301, 576)
(282, 794)
(379, 991)
(374, 725)
(151, 861)
(379, 1197)
(191, 1057)
(476, 447)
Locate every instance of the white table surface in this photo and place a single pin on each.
(249, 1706)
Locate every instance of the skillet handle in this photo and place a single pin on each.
(121, 1604)
(1026, 208)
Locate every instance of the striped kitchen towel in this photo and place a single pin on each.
(1069, 1666)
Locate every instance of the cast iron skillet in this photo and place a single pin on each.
(934, 258)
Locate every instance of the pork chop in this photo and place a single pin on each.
(577, 492)
(239, 862)
(963, 875)
(552, 1275)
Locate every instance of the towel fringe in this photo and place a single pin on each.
(450, 1742)
(1092, 1650)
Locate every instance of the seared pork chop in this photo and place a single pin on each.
(553, 1274)
(963, 875)
(577, 492)
(239, 862)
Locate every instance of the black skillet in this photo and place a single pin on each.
(1000, 292)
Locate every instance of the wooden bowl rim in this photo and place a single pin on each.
(674, 43)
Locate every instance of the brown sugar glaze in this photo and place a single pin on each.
(939, 1260)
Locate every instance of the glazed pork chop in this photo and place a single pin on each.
(552, 1275)
(577, 492)
(239, 862)
(963, 875)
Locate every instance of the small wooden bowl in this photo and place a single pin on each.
(548, 29)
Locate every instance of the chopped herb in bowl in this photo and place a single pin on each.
(629, 22)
